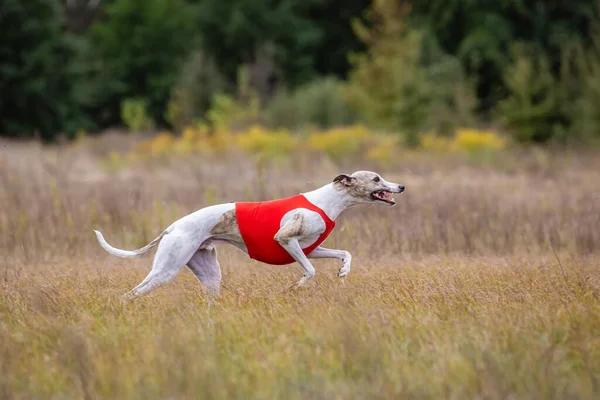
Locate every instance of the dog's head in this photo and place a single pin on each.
(368, 187)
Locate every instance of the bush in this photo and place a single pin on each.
(435, 143)
(268, 144)
(229, 112)
(474, 143)
(384, 149)
(316, 104)
(134, 115)
(198, 83)
(477, 144)
(339, 143)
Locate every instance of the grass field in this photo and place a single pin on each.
(454, 293)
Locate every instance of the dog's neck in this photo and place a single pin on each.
(331, 200)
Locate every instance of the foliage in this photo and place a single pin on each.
(481, 34)
(232, 112)
(384, 150)
(586, 113)
(198, 83)
(320, 103)
(36, 76)
(405, 66)
(474, 143)
(134, 52)
(477, 145)
(351, 143)
(531, 111)
(260, 141)
(229, 113)
(339, 143)
(310, 37)
(435, 143)
(134, 114)
(404, 82)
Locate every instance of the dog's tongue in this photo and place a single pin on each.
(383, 195)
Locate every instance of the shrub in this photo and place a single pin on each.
(198, 83)
(338, 143)
(383, 150)
(269, 144)
(436, 143)
(230, 112)
(134, 115)
(474, 141)
(162, 144)
(476, 144)
(319, 104)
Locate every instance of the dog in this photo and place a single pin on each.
(275, 232)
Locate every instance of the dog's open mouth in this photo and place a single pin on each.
(383, 195)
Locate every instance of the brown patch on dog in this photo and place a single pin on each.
(227, 224)
(294, 227)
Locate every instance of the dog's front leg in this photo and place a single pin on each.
(293, 247)
(287, 237)
(346, 257)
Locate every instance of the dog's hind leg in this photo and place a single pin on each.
(174, 251)
(205, 266)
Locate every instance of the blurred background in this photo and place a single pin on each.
(528, 69)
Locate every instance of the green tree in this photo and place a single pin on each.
(36, 74)
(197, 86)
(309, 37)
(135, 51)
(481, 33)
(532, 110)
(404, 81)
(585, 111)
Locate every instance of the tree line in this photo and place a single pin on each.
(531, 67)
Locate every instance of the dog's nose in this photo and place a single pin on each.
(401, 188)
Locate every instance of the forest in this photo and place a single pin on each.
(528, 68)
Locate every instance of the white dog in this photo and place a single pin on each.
(275, 232)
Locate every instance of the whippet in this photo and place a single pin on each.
(275, 232)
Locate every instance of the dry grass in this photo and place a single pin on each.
(454, 293)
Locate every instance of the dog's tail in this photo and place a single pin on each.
(127, 253)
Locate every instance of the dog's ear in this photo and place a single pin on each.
(344, 179)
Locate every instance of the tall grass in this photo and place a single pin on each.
(454, 293)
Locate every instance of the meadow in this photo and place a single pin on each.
(483, 282)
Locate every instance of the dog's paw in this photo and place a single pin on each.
(345, 270)
(303, 281)
(127, 298)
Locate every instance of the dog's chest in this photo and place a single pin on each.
(308, 241)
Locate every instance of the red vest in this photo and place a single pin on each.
(260, 221)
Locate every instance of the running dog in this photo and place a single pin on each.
(275, 232)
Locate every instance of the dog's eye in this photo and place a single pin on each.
(376, 179)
